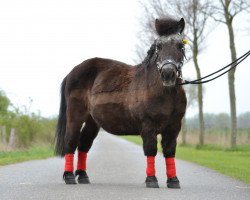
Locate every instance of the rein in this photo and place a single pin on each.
(234, 63)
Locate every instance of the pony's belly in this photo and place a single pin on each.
(114, 118)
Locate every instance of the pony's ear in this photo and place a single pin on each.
(157, 24)
(181, 25)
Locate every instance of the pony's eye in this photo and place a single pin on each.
(159, 46)
(180, 46)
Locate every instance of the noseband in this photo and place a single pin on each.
(172, 62)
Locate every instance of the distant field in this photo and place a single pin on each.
(24, 155)
(234, 163)
(218, 137)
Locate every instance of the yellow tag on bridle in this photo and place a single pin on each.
(185, 41)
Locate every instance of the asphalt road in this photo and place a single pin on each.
(117, 171)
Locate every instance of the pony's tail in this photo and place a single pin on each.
(61, 124)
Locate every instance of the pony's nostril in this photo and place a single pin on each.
(164, 75)
(168, 73)
(173, 75)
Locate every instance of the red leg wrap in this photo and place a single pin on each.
(81, 162)
(150, 166)
(69, 162)
(170, 167)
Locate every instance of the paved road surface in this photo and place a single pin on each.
(117, 171)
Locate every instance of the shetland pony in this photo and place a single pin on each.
(144, 100)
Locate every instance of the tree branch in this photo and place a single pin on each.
(217, 19)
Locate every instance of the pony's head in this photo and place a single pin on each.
(169, 49)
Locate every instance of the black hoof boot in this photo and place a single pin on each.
(69, 178)
(151, 182)
(82, 177)
(173, 183)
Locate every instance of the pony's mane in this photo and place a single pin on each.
(150, 53)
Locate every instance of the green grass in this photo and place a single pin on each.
(234, 163)
(24, 155)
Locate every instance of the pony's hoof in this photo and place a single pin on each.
(69, 177)
(173, 183)
(151, 182)
(82, 177)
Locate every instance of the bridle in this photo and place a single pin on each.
(178, 66)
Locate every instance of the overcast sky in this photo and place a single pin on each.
(41, 41)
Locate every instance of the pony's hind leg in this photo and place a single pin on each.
(87, 136)
(76, 115)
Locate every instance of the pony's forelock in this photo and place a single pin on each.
(168, 25)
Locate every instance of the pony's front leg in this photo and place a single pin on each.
(169, 148)
(150, 150)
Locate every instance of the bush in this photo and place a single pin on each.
(31, 127)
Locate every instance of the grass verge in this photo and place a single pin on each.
(24, 155)
(234, 163)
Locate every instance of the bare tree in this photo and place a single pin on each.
(191, 93)
(151, 10)
(225, 12)
(196, 14)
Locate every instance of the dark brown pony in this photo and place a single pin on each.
(144, 100)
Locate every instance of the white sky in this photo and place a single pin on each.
(41, 41)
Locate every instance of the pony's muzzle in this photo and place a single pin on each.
(168, 74)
